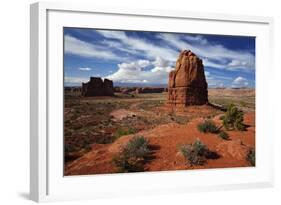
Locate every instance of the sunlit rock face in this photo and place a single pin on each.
(187, 83)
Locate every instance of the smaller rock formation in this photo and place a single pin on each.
(127, 90)
(117, 89)
(97, 87)
(187, 83)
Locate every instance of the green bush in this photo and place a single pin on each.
(137, 147)
(223, 135)
(121, 131)
(125, 164)
(208, 127)
(233, 118)
(196, 153)
(132, 156)
(251, 157)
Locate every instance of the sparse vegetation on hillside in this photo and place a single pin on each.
(180, 119)
(150, 104)
(132, 156)
(122, 131)
(223, 135)
(233, 118)
(196, 153)
(208, 126)
(251, 157)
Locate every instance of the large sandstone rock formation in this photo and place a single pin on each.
(97, 87)
(187, 83)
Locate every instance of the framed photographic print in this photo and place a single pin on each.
(127, 102)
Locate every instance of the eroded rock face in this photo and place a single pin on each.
(187, 83)
(97, 87)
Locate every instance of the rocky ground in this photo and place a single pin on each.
(96, 128)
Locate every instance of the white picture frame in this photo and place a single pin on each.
(47, 182)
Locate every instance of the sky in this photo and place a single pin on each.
(146, 58)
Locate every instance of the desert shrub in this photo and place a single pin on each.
(121, 131)
(243, 104)
(74, 116)
(208, 126)
(77, 126)
(196, 153)
(251, 157)
(137, 147)
(178, 118)
(233, 118)
(69, 148)
(223, 135)
(103, 139)
(125, 164)
(132, 156)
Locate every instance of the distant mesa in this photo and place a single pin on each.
(150, 90)
(97, 87)
(124, 90)
(187, 83)
(73, 89)
(139, 90)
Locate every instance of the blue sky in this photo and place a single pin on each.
(146, 58)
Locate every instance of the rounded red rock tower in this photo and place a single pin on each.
(187, 83)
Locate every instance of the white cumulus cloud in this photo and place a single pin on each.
(134, 66)
(138, 72)
(240, 82)
(161, 62)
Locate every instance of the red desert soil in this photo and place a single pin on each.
(164, 141)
